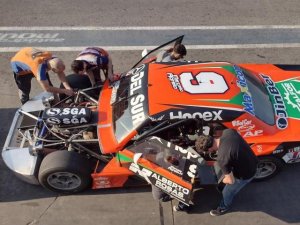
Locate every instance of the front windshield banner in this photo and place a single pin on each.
(130, 106)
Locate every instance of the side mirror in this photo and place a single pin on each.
(144, 52)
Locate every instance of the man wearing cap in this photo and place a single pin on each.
(30, 62)
(236, 160)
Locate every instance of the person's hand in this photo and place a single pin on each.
(68, 92)
(116, 77)
(228, 179)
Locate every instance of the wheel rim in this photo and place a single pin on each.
(64, 181)
(265, 169)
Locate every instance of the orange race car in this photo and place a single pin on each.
(143, 127)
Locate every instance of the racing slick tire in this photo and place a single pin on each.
(65, 172)
(77, 82)
(268, 167)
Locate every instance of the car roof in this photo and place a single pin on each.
(182, 89)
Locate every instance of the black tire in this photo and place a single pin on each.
(65, 172)
(268, 167)
(77, 82)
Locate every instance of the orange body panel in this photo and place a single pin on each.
(162, 94)
(112, 175)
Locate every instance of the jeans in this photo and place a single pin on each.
(230, 191)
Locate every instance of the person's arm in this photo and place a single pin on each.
(91, 76)
(62, 78)
(47, 87)
(110, 75)
(224, 161)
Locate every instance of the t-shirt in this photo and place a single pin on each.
(236, 156)
(164, 56)
(31, 61)
(95, 57)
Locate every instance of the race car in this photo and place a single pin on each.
(142, 128)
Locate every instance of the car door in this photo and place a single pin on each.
(164, 165)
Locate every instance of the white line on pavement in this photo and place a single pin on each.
(136, 48)
(91, 28)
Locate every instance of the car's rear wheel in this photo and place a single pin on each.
(267, 168)
(65, 172)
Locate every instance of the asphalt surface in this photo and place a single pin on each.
(275, 201)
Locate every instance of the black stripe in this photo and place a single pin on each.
(288, 67)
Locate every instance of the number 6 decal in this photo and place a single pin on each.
(203, 83)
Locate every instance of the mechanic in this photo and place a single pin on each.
(91, 61)
(161, 157)
(30, 62)
(172, 54)
(236, 160)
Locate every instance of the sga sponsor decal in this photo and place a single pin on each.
(202, 83)
(66, 111)
(242, 84)
(279, 106)
(66, 116)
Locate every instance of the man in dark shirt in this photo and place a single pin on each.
(236, 160)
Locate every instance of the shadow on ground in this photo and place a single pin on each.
(278, 197)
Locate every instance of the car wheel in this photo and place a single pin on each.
(267, 167)
(65, 172)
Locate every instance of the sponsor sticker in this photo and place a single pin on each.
(242, 84)
(206, 116)
(278, 103)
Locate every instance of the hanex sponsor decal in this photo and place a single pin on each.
(206, 116)
(242, 84)
(279, 106)
(136, 97)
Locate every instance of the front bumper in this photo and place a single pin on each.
(16, 153)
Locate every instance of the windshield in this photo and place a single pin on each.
(260, 97)
(129, 102)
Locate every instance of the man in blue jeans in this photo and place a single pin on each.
(236, 160)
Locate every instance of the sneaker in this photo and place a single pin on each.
(166, 198)
(180, 208)
(218, 211)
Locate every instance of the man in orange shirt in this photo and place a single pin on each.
(30, 62)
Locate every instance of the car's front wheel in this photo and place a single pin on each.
(267, 168)
(65, 172)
